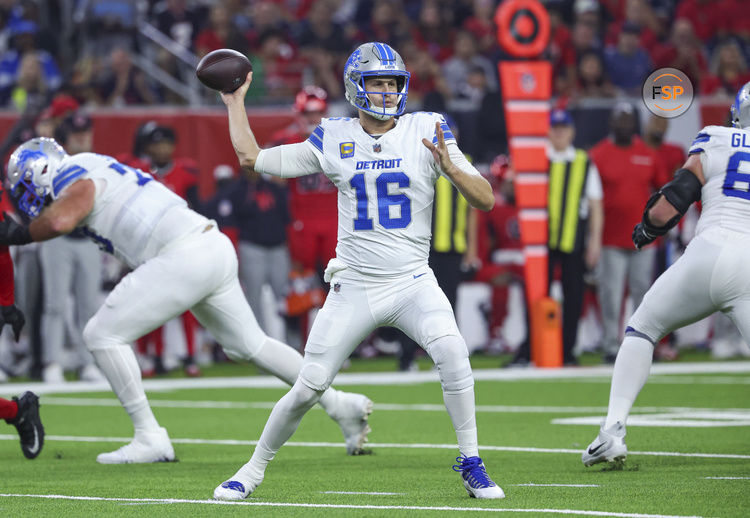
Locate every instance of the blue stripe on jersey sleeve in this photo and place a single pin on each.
(702, 137)
(693, 150)
(65, 177)
(447, 133)
(316, 138)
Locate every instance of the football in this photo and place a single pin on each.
(224, 70)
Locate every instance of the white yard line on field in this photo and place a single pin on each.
(384, 445)
(377, 493)
(415, 407)
(556, 485)
(352, 506)
(727, 478)
(382, 378)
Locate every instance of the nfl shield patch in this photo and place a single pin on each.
(346, 149)
(377, 147)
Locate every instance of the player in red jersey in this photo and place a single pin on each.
(23, 412)
(313, 202)
(500, 250)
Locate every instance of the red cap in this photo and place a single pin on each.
(500, 168)
(311, 99)
(61, 105)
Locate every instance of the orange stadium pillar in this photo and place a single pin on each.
(523, 32)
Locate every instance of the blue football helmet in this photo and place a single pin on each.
(741, 108)
(369, 60)
(31, 170)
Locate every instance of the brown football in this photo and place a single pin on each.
(224, 70)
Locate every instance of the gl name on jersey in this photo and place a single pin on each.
(740, 140)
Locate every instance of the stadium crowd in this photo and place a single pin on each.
(91, 58)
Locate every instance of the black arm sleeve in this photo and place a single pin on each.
(683, 190)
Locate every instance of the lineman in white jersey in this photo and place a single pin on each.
(385, 170)
(711, 276)
(180, 262)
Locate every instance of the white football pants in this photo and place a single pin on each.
(712, 275)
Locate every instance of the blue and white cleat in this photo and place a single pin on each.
(352, 414)
(232, 490)
(609, 446)
(476, 480)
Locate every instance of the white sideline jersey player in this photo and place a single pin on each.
(385, 170)
(711, 276)
(180, 262)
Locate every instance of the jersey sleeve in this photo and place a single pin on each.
(708, 142)
(701, 141)
(289, 160)
(447, 133)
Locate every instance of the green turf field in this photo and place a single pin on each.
(531, 432)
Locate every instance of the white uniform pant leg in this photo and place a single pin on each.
(423, 312)
(87, 286)
(730, 283)
(611, 288)
(58, 264)
(345, 319)
(680, 296)
(161, 288)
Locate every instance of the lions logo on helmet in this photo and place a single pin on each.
(31, 169)
(375, 60)
(741, 108)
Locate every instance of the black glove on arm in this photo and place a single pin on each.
(11, 233)
(12, 316)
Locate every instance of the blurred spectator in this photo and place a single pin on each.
(465, 59)
(490, 134)
(180, 21)
(627, 64)
(322, 69)
(588, 12)
(630, 172)
(71, 269)
(482, 26)
(122, 83)
(61, 106)
(111, 24)
(683, 52)
(265, 16)
(585, 38)
(729, 71)
(592, 80)
(220, 33)
(220, 206)
(427, 84)
(640, 14)
(41, 72)
(262, 218)
(672, 155)
(433, 31)
(562, 54)
(318, 30)
(29, 87)
(575, 236)
(282, 71)
(704, 17)
(387, 24)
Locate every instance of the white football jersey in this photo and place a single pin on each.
(134, 216)
(725, 157)
(386, 189)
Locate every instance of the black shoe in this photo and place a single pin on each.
(29, 424)
(571, 362)
(518, 361)
(609, 358)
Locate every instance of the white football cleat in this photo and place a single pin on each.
(351, 414)
(609, 446)
(151, 446)
(239, 487)
(476, 480)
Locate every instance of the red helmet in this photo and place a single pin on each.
(500, 168)
(311, 99)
